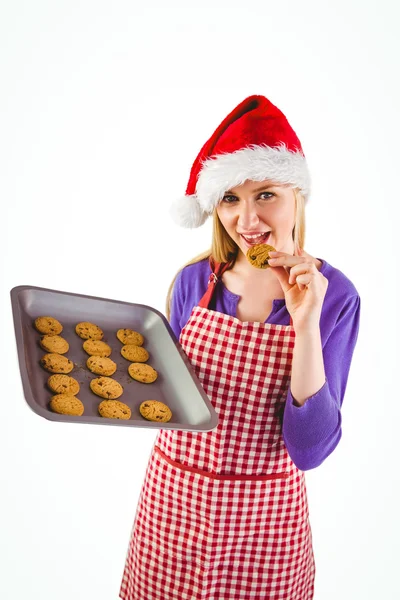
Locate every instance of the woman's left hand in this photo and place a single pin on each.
(303, 285)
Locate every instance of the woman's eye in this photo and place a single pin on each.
(229, 199)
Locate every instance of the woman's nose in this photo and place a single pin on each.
(247, 216)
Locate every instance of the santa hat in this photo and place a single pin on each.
(254, 142)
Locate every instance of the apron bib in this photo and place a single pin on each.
(223, 515)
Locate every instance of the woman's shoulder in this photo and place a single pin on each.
(199, 269)
(193, 278)
(340, 284)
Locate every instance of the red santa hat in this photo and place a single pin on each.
(254, 142)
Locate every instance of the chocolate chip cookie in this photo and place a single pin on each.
(106, 387)
(63, 384)
(64, 404)
(89, 331)
(54, 343)
(134, 353)
(96, 348)
(114, 409)
(128, 336)
(258, 255)
(154, 410)
(100, 365)
(56, 363)
(142, 373)
(48, 325)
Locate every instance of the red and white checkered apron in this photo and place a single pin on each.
(223, 515)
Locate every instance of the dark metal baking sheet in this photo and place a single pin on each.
(177, 384)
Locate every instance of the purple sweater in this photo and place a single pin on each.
(311, 432)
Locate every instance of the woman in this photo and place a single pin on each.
(223, 514)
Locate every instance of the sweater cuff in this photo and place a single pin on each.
(308, 425)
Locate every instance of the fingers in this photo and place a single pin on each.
(283, 277)
(282, 259)
(303, 273)
(299, 270)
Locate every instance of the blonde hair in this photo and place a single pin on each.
(224, 249)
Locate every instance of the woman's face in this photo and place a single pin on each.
(259, 212)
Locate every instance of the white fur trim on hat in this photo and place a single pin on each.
(255, 163)
(186, 212)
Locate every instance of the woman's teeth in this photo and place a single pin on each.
(258, 238)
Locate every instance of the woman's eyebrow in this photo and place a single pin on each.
(263, 188)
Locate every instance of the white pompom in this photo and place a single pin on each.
(186, 212)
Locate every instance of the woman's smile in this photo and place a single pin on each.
(255, 238)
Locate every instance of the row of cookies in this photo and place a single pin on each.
(132, 350)
(65, 387)
(64, 401)
(99, 363)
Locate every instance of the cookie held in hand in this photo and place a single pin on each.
(258, 255)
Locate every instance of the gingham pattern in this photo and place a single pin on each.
(244, 369)
(223, 515)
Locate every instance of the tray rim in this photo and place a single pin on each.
(54, 417)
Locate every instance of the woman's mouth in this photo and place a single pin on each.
(256, 238)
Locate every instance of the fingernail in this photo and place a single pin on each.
(273, 253)
(272, 260)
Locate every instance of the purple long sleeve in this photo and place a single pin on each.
(311, 432)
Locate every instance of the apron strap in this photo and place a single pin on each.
(217, 269)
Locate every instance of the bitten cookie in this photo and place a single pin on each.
(105, 387)
(96, 348)
(258, 255)
(63, 384)
(48, 325)
(89, 331)
(64, 404)
(128, 336)
(142, 373)
(114, 409)
(134, 353)
(153, 410)
(54, 343)
(55, 363)
(100, 365)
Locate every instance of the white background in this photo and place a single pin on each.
(104, 107)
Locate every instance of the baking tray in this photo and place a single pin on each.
(177, 384)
